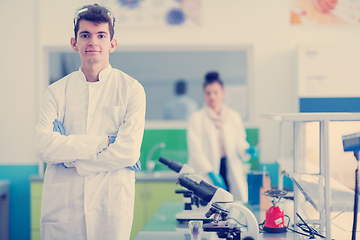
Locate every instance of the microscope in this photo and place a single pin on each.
(226, 213)
(194, 207)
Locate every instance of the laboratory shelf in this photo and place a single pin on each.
(312, 185)
(322, 191)
(287, 166)
(312, 117)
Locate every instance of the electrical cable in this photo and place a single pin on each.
(356, 200)
(293, 230)
(261, 226)
(305, 227)
(310, 230)
(243, 225)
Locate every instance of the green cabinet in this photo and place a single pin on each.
(35, 208)
(174, 140)
(148, 198)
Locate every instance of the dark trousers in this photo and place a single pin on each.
(223, 170)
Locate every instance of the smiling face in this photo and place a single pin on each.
(93, 43)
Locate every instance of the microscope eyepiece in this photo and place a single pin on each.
(173, 165)
(202, 190)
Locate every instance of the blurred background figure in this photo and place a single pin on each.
(216, 138)
(182, 106)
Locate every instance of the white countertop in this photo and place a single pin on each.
(312, 117)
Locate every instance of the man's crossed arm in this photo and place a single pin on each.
(58, 127)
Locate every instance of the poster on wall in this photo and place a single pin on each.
(155, 13)
(328, 70)
(328, 77)
(325, 12)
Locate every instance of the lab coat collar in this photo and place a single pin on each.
(103, 75)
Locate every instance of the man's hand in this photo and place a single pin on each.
(111, 139)
(58, 127)
(136, 167)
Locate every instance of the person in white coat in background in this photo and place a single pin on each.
(216, 141)
(89, 133)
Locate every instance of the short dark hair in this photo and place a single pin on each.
(96, 14)
(180, 87)
(212, 77)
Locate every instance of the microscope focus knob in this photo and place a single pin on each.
(210, 212)
(188, 206)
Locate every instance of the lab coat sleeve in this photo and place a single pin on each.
(242, 144)
(53, 147)
(125, 151)
(197, 157)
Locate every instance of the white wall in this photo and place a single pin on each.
(19, 81)
(262, 23)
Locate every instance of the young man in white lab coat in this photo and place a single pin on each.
(89, 133)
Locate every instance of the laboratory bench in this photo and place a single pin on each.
(4, 209)
(164, 226)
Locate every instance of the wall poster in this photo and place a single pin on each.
(156, 13)
(329, 12)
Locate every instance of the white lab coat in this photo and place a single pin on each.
(204, 149)
(95, 199)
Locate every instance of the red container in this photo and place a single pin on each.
(274, 221)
